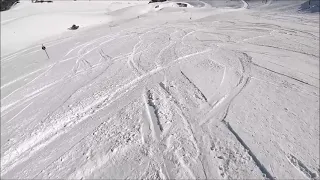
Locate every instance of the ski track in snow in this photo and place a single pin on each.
(156, 96)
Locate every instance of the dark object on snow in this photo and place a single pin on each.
(7, 4)
(41, 1)
(73, 27)
(153, 1)
(156, 6)
(44, 48)
(311, 6)
(182, 5)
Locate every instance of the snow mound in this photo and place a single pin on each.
(305, 6)
(312, 6)
(173, 5)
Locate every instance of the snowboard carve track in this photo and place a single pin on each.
(48, 68)
(195, 87)
(226, 93)
(131, 61)
(253, 156)
(24, 76)
(19, 112)
(199, 157)
(285, 49)
(153, 115)
(293, 78)
(301, 167)
(28, 97)
(157, 60)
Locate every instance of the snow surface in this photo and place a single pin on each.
(215, 90)
(46, 21)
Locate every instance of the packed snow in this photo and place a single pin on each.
(213, 90)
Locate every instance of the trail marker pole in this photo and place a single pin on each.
(44, 48)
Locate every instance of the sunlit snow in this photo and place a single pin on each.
(216, 90)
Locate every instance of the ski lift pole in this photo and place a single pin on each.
(44, 48)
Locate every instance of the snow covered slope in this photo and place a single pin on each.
(46, 21)
(157, 91)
